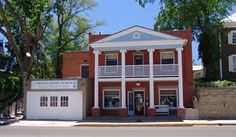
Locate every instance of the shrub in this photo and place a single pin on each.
(219, 83)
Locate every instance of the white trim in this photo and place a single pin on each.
(139, 43)
(176, 94)
(137, 79)
(134, 29)
(96, 85)
(180, 81)
(123, 83)
(103, 98)
(109, 79)
(81, 69)
(166, 79)
(169, 51)
(151, 81)
(229, 24)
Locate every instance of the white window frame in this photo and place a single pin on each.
(81, 68)
(230, 63)
(103, 101)
(42, 102)
(230, 37)
(163, 52)
(107, 54)
(64, 103)
(177, 96)
(54, 101)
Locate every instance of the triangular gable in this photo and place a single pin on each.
(137, 33)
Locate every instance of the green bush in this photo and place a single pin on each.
(10, 85)
(219, 83)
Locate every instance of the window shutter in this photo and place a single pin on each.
(230, 38)
(230, 63)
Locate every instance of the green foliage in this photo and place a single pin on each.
(224, 83)
(11, 89)
(204, 17)
(67, 31)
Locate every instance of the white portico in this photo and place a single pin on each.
(138, 39)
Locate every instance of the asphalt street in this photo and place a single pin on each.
(204, 131)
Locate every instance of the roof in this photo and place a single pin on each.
(197, 67)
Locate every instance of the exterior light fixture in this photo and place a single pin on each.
(28, 54)
(138, 83)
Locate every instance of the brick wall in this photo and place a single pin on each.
(216, 103)
(72, 62)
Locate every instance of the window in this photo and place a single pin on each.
(111, 59)
(84, 71)
(43, 101)
(168, 97)
(232, 63)
(167, 57)
(138, 59)
(111, 99)
(64, 101)
(53, 101)
(234, 38)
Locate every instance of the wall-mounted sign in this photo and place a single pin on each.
(54, 84)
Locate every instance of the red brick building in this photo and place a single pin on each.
(134, 71)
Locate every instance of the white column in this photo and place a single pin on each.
(96, 94)
(151, 81)
(180, 81)
(123, 86)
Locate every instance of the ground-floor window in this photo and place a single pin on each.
(64, 101)
(43, 101)
(53, 101)
(168, 97)
(111, 98)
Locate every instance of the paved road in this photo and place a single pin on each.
(207, 131)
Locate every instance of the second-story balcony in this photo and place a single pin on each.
(138, 71)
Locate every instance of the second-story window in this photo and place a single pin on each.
(111, 59)
(234, 38)
(167, 57)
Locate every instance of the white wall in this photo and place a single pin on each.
(74, 111)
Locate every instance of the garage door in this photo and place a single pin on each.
(55, 105)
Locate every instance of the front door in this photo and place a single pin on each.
(139, 102)
(136, 103)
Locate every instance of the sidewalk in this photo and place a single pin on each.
(123, 123)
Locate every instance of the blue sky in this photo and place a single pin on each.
(121, 14)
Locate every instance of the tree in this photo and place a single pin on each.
(204, 17)
(22, 23)
(68, 29)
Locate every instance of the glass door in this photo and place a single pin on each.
(130, 103)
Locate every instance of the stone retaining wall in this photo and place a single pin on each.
(216, 103)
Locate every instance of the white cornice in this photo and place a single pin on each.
(140, 43)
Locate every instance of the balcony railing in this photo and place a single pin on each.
(162, 70)
(138, 71)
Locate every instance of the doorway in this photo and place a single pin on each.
(136, 103)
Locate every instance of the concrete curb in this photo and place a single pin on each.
(7, 122)
(158, 124)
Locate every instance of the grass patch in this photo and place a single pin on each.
(219, 83)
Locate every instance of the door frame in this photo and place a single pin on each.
(144, 101)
